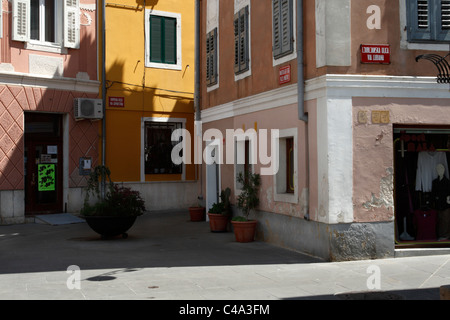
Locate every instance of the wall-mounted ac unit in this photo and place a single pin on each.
(85, 108)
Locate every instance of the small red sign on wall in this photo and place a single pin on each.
(285, 74)
(375, 54)
(118, 102)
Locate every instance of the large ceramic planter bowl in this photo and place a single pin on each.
(110, 226)
(244, 231)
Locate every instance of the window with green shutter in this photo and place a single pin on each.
(163, 39)
(428, 20)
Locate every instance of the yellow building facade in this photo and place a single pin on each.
(149, 66)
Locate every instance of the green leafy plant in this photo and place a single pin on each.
(248, 199)
(224, 206)
(217, 208)
(118, 200)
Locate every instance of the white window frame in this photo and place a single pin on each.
(158, 119)
(279, 179)
(148, 64)
(405, 44)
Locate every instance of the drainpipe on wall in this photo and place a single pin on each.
(198, 117)
(103, 186)
(302, 115)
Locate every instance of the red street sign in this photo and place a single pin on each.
(285, 74)
(118, 102)
(375, 53)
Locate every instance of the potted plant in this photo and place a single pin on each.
(220, 212)
(197, 212)
(113, 213)
(247, 200)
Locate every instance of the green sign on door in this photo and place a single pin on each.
(46, 177)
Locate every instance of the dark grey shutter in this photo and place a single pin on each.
(423, 14)
(244, 40)
(418, 12)
(428, 20)
(443, 16)
(287, 40)
(208, 60)
(211, 57)
(283, 24)
(236, 43)
(276, 27)
(241, 41)
(156, 28)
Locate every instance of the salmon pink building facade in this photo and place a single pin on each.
(358, 103)
(48, 64)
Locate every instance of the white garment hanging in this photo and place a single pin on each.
(426, 169)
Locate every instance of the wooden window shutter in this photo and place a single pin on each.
(170, 40)
(236, 43)
(287, 40)
(208, 55)
(283, 36)
(419, 20)
(276, 27)
(211, 57)
(156, 27)
(428, 20)
(21, 20)
(423, 14)
(72, 24)
(443, 16)
(243, 40)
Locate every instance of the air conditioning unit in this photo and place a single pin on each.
(85, 108)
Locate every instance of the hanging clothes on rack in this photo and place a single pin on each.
(426, 169)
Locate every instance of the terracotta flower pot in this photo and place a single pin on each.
(244, 230)
(197, 213)
(218, 222)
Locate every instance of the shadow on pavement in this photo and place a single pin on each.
(158, 239)
(412, 294)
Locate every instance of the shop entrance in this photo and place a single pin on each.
(422, 186)
(43, 163)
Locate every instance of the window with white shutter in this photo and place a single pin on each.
(283, 33)
(211, 58)
(428, 20)
(241, 41)
(46, 23)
